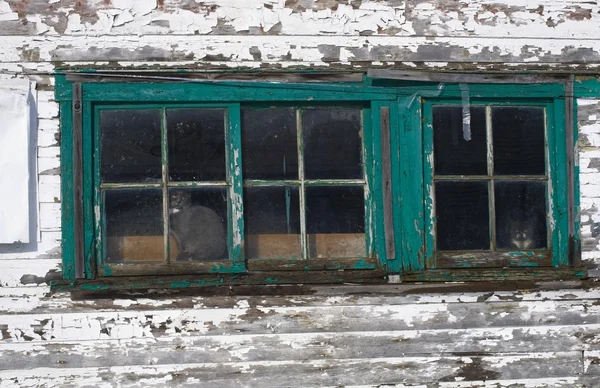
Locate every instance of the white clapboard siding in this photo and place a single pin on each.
(49, 188)
(13, 270)
(141, 323)
(50, 216)
(317, 372)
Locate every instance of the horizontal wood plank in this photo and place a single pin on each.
(295, 319)
(171, 346)
(319, 372)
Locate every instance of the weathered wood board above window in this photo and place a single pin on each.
(418, 179)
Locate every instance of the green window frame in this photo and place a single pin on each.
(398, 175)
(422, 260)
(81, 140)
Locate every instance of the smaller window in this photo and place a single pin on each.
(491, 184)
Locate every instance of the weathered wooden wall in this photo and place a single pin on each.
(334, 337)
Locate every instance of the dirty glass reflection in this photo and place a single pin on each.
(335, 221)
(198, 222)
(134, 226)
(462, 215)
(455, 152)
(269, 144)
(272, 222)
(196, 141)
(521, 215)
(130, 146)
(332, 143)
(518, 134)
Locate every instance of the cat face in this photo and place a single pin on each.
(179, 199)
(522, 235)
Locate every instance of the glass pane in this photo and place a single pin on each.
(269, 144)
(198, 222)
(462, 215)
(134, 226)
(518, 134)
(335, 221)
(272, 222)
(130, 146)
(332, 143)
(196, 140)
(521, 215)
(458, 153)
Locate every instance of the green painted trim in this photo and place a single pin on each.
(491, 91)
(369, 276)
(560, 241)
(88, 189)
(586, 87)
(409, 179)
(66, 172)
(411, 155)
(577, 189)
(235, 202)
(367, 159)
(428, 189)
(182, 92)
(497, 274)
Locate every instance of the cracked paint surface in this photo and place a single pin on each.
(500, 339)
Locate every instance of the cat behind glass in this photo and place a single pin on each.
(198, 230)
(522, 235)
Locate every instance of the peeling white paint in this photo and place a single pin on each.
(432, 35)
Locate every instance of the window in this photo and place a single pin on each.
(490, 184)
(416, 179)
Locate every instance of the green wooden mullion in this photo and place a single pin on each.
(334, 182)
(67, 204)
(428, 188)
(197, 184)
(262, 183)
(99, 222)
(108, 186)
(302, 192)
(489, 177)
(576, 194)
(414, 179)
(164, 160)
(311, 182)
(89, 219)
(375, 238)
(235, 201)
(489, 141)
(559, 184)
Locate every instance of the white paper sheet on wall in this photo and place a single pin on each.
(15, 161)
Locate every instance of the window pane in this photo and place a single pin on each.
(458, 153)
(332, 143)
(462, 215)
(134, 226)
(130, 146)
(269, 144)
(335, 221)
(272, 222)
(521, 215)
(198, 220)
(196, 140)
(518, 134)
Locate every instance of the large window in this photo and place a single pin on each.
(188, 178)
